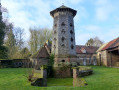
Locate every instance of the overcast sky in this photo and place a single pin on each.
(94, 17)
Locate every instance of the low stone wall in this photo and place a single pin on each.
(15, 63)
(62, 72)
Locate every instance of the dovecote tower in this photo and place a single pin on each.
(63, 42)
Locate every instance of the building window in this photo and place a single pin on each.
(55, 39)
(63, 60)
(55, 32)
(72, 39)
(54, 46)
(55, 25)
(63, 24)
(83, 50)
(72, 46)
(63, 45)
(71, 31)
(62, 39)
(71, 24)
(63, 31)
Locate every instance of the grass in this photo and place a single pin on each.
(104, 78)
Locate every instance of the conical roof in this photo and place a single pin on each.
(63, 8)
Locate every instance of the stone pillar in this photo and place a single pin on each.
(40, 76)
(77, 81)
(44, 71)
(75, 72)
(75, 77)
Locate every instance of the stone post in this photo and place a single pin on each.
(44, 76)
(41, 77)
(75, 72)
(77, 81)
(75, 76)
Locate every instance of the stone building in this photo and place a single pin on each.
(63, 42)
(86, 55)
(108, 54)
(41, 57)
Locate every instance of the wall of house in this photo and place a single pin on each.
(39, 61)
(106, 58)
(114, 57)
(87, 59)
(99, 62)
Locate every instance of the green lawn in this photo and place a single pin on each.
(104, 78)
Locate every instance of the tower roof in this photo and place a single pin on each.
(63, 8)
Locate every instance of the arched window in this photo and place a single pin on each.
(55, 32)
(63, 31)
(55, 25)
(72, 39)
(71, 24)
(62, 39)
(72, 46)
(71, 31)
(63, 24)
(55, 39)
(54, 46)
(63, 45)
(63, 60)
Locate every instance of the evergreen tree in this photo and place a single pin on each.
(3, 49)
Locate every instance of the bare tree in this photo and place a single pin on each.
(19, 36)
(94, 42)
(97, 42)
(38, 37)
(33, 42)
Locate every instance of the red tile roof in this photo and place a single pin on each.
(111, 44)
(89, 49)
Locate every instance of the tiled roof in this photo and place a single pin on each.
(101, 47)
(42, 53)
(89, 49)
(112, 44)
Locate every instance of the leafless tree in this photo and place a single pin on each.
(38, 37)
(94, 42)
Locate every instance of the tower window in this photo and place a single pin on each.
(72, 39)
(72, 46)
(55, 39)
(62, 39)
(54, 46)
(55, 32)
(63, 45)
(71, 24)
(63, 24)
(63, 60)
(55, 25)
(71, 31)
(63, 31)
